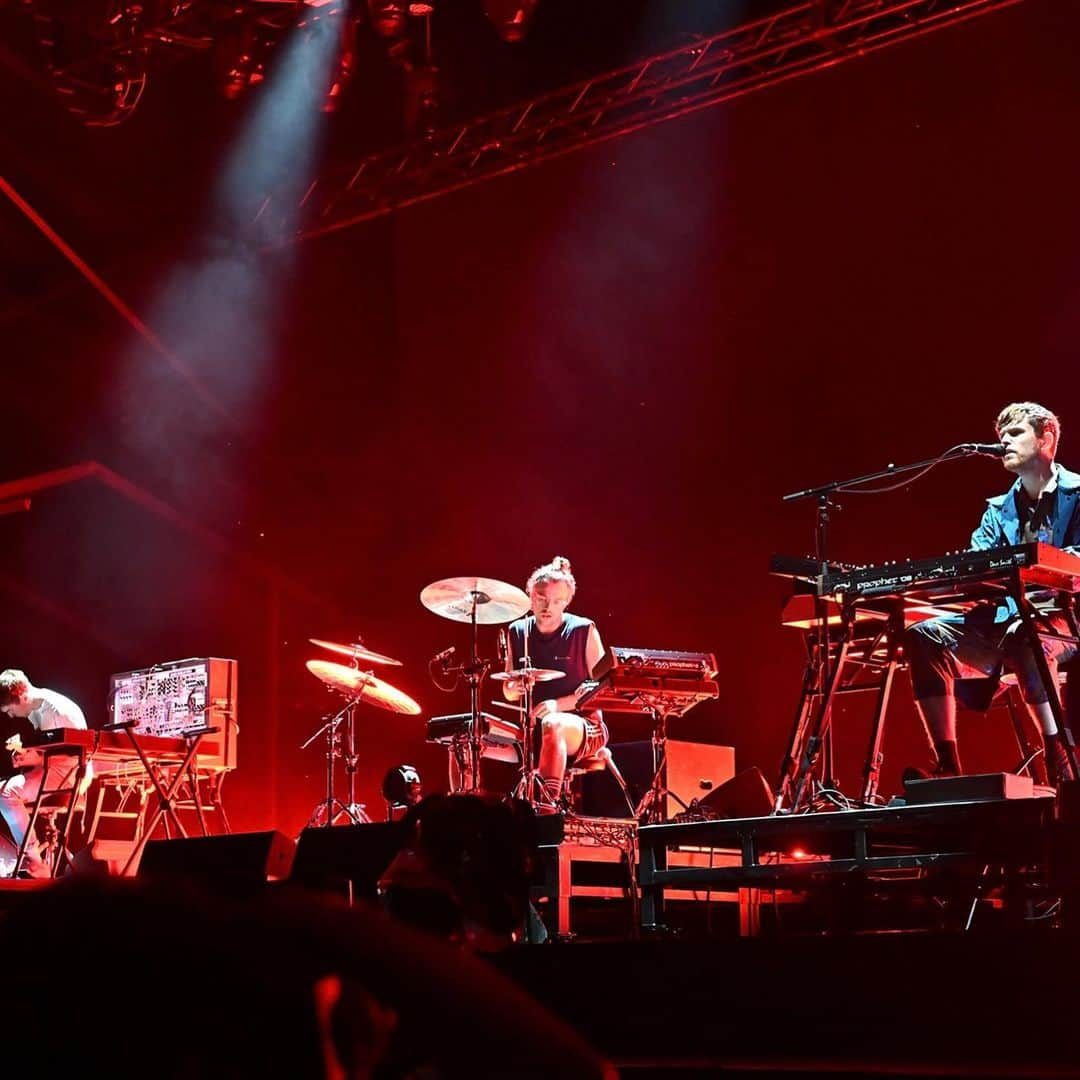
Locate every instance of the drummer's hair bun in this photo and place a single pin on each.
(556, 570)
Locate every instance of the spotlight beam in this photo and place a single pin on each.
(804, 38)
(109, 295)
(21, 488)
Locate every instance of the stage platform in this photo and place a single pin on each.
(930, 940)
(926, 867)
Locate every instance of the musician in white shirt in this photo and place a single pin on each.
(45, 710)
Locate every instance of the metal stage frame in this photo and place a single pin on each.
(801, 39)
(1004, 842)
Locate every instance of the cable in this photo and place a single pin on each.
(948, 455)
(433, 668)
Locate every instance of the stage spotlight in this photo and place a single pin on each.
(346, 67)
(242, 59)
(97, 56)
(388, 17)
(401, 788)
(424, 93)
(511, 18)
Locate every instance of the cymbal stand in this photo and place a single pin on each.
(474, 672)
(530, 784)
(332, 809)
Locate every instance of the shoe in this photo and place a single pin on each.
(1057, 763)
(543, 804)
(546, 802)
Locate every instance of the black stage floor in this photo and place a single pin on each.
(997, 1000)
(994, 1004)
(936, 940)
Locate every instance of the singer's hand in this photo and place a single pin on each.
(14, 743)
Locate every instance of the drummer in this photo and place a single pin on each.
(563, 642)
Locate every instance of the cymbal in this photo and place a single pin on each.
(357, 652)
(362, 685)
(457, 599)
(536, 674)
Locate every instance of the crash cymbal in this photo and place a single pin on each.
(536, 674)
(356, 651)
(457, 598)
(362, 685)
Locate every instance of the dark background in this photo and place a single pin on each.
(626, 356)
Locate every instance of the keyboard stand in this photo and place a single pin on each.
(799, 779)
(166, 789)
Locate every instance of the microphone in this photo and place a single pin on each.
(991, 449)
(503, 645)
(442, 657)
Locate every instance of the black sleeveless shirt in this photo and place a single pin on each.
(563, 650)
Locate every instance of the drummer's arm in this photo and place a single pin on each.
(594, 649)
(512, 688)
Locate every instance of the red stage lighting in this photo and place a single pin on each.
(388, 17)
(242, 59)
(14, 506)
(511, 18)
(346, 67)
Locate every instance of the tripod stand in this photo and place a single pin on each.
(652, 809)
(474, 672)
(332, 811)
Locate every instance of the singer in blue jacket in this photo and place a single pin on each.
(973, 649)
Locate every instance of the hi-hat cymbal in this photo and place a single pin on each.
(356, 651)
(535, 674)
(458, 598)
(362, 685)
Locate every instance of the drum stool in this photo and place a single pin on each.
(599, 762)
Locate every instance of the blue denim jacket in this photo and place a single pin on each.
(1001, 526)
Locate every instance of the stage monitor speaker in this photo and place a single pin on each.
(345, 857)
(745, 795)
(236, 863)
(694, 770)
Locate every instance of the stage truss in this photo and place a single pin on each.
(803, 38)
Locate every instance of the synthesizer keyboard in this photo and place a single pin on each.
(1040, 565)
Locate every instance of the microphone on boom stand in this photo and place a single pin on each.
(989, 449)
(442, 657)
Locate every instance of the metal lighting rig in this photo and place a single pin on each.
(803, 38)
